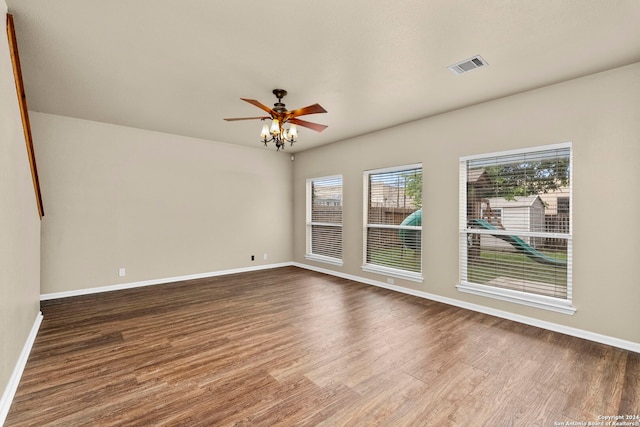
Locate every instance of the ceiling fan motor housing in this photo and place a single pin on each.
(279, 107)
(280, 93)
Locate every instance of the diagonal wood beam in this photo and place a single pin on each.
(24, 112)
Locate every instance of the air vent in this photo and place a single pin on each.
(468, 65)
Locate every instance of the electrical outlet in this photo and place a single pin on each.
(122, 272)
(253, 257)
(265, 256)
(390, 280)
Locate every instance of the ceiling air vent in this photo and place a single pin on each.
(468, 65)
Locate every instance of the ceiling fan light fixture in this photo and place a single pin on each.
(293, 132)
(275, 127)
(265, 132)
(275, 131)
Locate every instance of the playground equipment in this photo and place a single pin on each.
(519, 244)
(411, 238)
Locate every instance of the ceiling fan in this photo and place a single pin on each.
(276, 132)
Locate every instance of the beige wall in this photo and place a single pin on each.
(600, 114)
(19, 225)
(156, 204)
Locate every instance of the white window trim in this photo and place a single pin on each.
(308, 254)
(324, 259)
(558, 146)
(377, 269)
(532, 300)
(392, 272)
(560, 305)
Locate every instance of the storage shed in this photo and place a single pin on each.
(520, 214)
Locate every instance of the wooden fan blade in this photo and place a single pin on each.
(259, 105)
(311, 109)
(305, 124)
(233, 119)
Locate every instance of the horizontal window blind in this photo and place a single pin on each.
(324, 217)
(393, 237)
(516, 221)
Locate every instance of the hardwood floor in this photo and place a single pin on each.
(292, 347)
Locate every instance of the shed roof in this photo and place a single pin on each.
(476, 175)
(518, 202)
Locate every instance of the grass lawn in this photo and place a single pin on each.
(493, 264)
(489, 266)
(394, 257)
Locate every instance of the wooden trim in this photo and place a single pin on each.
(24, 111)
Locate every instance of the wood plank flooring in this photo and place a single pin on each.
(292, 347)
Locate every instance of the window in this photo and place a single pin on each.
(324, 219)
(393, 222)
(515, 226)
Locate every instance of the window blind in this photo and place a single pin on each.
(393, 239)
(516, 221)
(324, 219)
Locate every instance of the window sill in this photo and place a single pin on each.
(524, 298)
(393, 272)
(324, 259)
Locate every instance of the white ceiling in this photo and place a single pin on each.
(181, 66)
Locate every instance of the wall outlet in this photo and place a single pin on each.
(265, 256)
(253, 257)
(390, 280)
(122, 272)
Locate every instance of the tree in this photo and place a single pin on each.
(511, 180)
(413, 187)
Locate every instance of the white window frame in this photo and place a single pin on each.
(378, 269)
(309, 255)
(560, 305)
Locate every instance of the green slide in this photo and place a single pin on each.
(411, 238)
(521, 245)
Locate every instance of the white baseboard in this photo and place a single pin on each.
(118, 287)
(14, 380)
(567, 330)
